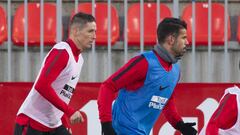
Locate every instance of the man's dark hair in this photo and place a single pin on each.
(82, 18)
(169, 26)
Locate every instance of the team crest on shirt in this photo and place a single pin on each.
(157, 102)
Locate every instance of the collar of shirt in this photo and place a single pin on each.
(73, 46)
(166, 65)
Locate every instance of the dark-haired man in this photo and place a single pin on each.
(146, 86)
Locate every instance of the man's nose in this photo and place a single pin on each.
(187, 43)
(94, 36)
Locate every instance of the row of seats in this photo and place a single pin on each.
(102, 29)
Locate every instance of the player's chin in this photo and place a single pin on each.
(89, 45)
(183, 52)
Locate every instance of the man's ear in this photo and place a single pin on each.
(170, 39)
(75, 30)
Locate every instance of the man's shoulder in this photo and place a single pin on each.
(61, 45)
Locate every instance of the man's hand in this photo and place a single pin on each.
(107, 128)
(186, 128)
(76, 118)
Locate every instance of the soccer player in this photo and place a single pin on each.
(146, 87)
(42, 110)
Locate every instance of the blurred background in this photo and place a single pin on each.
(125, 28)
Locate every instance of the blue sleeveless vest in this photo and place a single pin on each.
(135, 112)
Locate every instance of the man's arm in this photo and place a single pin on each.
(130, 76)
(170, 112)
(126, 77)
(225, 115)
(53, 66)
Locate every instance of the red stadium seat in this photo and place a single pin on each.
(3, 26)
(101, 16)
(150, 22)
(238, 30)
(34, 24)
(202, 23)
